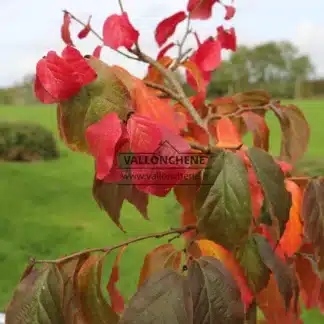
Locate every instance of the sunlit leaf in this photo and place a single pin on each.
(65, 29)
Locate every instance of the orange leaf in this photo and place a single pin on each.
(196, 74)
(162, 257)
(197, 133)
(226, 133)
(117, 300)
(257, 125)
(154, 75)
(271, 303)
(65, 30)
(209, 248)
(292, 238)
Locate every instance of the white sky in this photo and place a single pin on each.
(30, 28)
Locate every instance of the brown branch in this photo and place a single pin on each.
(97, 35)
(121, 6)
(163, 88)
(241, 110)
(108, 249)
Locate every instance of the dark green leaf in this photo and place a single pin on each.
(272, 180)
(95, 309)
(223, 202)
(254, 268)
(287, 282)
(216, 297)
(312, 213)
(163, 298)
(38, 298)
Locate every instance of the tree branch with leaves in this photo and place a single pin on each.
(249, 227)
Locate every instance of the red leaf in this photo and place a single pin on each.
(164, 50)
(284, 166)
(169, 169)
(227, 38)
(42, 94)
(198, 133)
(97, 51)
(118, 32)
(196, 77)
(257, 125)
(208, 55)
(200, 9)
(167, 27)
(230, 12)
(82, 70)
(209, 248)
(65, 29)
(85, 31)
(145, 136)
(117, 300)
(102, 138)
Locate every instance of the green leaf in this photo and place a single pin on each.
(95, 309)
(287, 282)
(163, 298)
(223, 202)
(216, 297)
(255, 270)
(312, 213)
(272, 180)
(38, 298)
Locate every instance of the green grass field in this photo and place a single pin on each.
(47, 209)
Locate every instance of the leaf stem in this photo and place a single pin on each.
(108, 249)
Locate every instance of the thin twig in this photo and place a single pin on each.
(97, 35)
(108, 249)
(163, 88)
(121, 6)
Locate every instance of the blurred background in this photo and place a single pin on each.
(46, 208)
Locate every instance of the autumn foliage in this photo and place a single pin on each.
(252, 233)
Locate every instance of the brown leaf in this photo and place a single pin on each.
(287, 282)
(216, 297)
(163, 257)
(295, 132)
(117, 300)
(252, 98)
(94, 307)
(312, 213)
(258, 126)
(38, 298)
(111, 196)
(164, 298)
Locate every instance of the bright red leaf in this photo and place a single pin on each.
(117, 300)
(200, 9)
(65, 30)
(118, 32)
(164, 50)
(144, 134)
(227, 38)
(208, 55)
(86, 30)
(102, 138)
(230, 12)
(166, 28)
(97, 51)
(59, 78)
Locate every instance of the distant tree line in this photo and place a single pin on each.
(278, 67)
